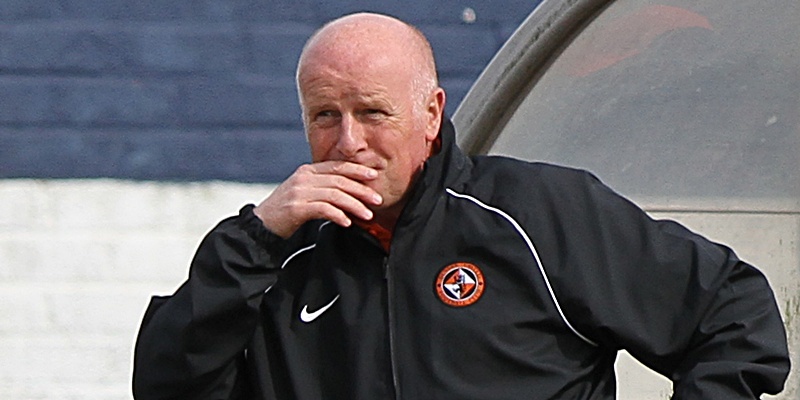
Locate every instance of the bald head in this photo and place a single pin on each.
(369, 96)
(360, 37)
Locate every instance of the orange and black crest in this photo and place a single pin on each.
(460, 284)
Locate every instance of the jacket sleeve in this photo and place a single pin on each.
(682, 305)
(191, 344)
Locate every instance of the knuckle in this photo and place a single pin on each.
(340, 182)
(305, 169)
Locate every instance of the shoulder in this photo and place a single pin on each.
(498, 174)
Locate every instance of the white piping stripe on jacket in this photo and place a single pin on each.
(535, 254)
(296, 253)
(304, 249)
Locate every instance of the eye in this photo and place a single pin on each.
(324, 116)
(374, 113)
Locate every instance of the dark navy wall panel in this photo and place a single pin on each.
(191, 90)
(246, 155)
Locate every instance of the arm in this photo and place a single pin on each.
(739, 347)
(190, 344)
(682, 305)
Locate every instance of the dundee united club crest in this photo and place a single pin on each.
(460, 284)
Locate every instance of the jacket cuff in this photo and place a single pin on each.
(255, 229)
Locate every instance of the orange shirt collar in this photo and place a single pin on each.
(383, 235)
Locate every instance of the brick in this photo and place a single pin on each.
(140, 256)
(114, 209)
(461, 51)
(64, 391)
(261, 11)
(107, 231)
(276, 48)
(106, 311)
(28, 9)
(22, 311)
(25, 101)
(65, 362)
(64, 46)
(86, 101)
(200, 206)
(238, 155)
(74, 309)
(427, 12)
(24, 205)
(142, 50)
(240, 101)
(118, 205)
(486, 12)
(53, 153)
(40, 211)
(252, 156)
(77, 258)
(249, 156)
(128, 10)
(190, 10)
(159, 263)
(19, 258)
(104, 209)
(105, 101)
(192, 48)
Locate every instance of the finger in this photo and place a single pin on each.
(348, 169)
(356, 189)
(315, 176)
(328, 212)
(343, 201)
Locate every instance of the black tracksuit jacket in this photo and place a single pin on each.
(554, 273)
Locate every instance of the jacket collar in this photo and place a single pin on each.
(441, 170)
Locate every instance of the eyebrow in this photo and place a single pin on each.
(363, 99)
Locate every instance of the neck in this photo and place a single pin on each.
(387, 218)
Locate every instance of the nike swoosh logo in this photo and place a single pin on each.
(307, 317)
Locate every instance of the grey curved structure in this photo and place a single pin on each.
(691, 109)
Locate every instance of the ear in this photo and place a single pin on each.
(434, 111)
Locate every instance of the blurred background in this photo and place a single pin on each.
(128, 129)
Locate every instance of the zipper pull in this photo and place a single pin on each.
(386, 268)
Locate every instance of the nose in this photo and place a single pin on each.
(352, 137)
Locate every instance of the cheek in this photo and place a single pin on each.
(419, 151)
(320, 145)
(409, 160)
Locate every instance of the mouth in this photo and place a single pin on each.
(376, 165)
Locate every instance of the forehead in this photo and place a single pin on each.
(329, 76)
(344, 53)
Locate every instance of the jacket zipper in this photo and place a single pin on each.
(392, 352)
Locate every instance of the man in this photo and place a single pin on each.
(394, 267)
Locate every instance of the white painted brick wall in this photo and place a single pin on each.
(79, 261)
